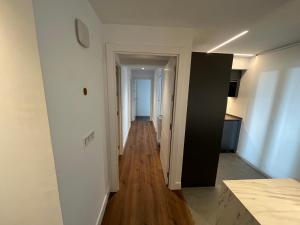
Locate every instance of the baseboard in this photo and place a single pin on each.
(155, 128)
(253, 166)
(102, 210)
(177, 186)
(126, 142)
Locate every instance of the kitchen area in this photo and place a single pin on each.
(249, 198)
(232, 123)
(239, 194)
(259, 202)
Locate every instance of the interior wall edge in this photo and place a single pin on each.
(253, 166)
(102, 209)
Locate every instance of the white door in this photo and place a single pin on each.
(143, 97)
(167, 117)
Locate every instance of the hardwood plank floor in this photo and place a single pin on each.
(143, 198)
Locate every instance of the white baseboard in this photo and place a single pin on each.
(102, 210)
(175, 186)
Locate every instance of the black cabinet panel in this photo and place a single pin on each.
(208, 89)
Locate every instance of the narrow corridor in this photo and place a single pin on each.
(143, 198)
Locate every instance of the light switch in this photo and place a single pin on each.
(88, 139)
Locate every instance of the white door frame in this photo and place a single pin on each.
(183, 55)
(132, 99)
(119, 106)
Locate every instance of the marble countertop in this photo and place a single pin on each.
(269, 201)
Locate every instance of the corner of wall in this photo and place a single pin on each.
(103, 208)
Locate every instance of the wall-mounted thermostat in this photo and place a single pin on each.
(82, 33)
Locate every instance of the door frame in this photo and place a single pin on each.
(167, 176)
(183, 56)
(132, 99)
(119, 107)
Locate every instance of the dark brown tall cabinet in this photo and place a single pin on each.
(208, 89)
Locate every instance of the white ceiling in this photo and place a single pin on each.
(271, 23)
(143, 60)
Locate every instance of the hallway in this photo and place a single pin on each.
(143, 198)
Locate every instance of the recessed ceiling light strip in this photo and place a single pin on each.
(243, 55)
(228, 41)
(290, 45)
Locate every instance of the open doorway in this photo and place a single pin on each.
(146, 93)
(148, 87)
(143, 99)
(182, 58)
(144, 165)
(143, 92)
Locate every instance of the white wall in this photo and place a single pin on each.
(149, 35)
(126, 102)
(28, 189)
(67, 69)
(269, 104)
(241, 63)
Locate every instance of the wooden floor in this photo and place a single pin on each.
(143, 198)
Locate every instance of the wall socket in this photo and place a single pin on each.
(88, 139)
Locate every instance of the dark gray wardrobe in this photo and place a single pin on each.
(208, 89)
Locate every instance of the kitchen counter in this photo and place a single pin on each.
(231, 132)
(232, 117)
(264, 202)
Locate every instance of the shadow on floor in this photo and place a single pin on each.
(142, 118)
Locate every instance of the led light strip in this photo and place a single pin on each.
(228, 41)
